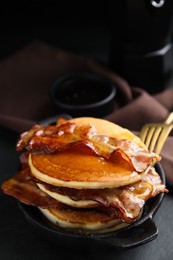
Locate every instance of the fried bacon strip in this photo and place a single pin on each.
(52, 138)
(125, 202)
(60, 137)
(23, 188)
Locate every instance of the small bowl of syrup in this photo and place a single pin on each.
(83, 94)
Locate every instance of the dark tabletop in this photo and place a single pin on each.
(19, 239)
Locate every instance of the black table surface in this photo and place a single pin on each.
(19, 239)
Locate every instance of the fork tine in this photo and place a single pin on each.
(154, 138)
(154, 135)
(169, 118)
(143, 133)
(149, 135)
(162, 138)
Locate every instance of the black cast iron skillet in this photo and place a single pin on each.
(137, 233)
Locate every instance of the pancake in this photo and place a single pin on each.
(67, 200)
(78, 170)
(87, 221)
(104, 127)
(81, 171)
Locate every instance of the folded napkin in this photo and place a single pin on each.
(26, 76)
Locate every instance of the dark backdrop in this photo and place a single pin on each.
(125, 35)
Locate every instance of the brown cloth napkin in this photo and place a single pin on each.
(26, 76)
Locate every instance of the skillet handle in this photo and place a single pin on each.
(134, 236)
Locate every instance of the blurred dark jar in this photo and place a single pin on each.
(141, 42)
(83, 94)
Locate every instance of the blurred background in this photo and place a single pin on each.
(81, 27)
(132, 37)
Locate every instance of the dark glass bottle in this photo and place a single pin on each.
(141, 42)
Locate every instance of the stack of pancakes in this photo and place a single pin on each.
(88, 190)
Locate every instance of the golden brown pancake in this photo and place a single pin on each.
(104, 127)
(81, 171)
(88, 221)
(67, 200)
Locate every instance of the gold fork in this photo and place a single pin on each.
(154, 135)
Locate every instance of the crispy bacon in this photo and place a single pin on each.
(60, 137)
(125, 202)
(23, 187)
(138, 157)
(53, 138)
